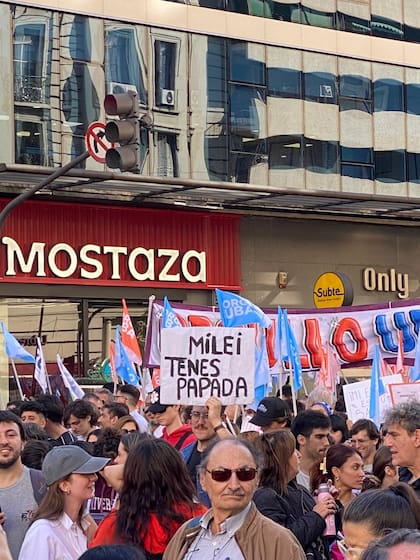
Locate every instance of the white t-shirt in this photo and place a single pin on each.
(60, 539)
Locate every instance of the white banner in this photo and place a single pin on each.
(403, 392)
(351, 331)
(200, 362)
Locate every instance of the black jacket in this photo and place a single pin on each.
(294, 511)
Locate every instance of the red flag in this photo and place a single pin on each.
(128, 337)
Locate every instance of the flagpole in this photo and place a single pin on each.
(15, 375)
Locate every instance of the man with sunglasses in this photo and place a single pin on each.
(206, 424)
(232, 529)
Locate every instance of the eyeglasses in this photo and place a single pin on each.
(197, 415)
(245, 474)
(350, 552)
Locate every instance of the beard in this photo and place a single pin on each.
(8, 462)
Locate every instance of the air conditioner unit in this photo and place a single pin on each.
(117, 87)
(167, 97)
(326, 90)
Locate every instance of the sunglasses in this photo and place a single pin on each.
(244, 474)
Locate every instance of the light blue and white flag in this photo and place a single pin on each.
(123, 366)
(415, 370)
(76, 392)
(40, 372)
(236, 311)
(377, 388)
(169, 318)
(262, 368)
(293, 355)
(14, 349)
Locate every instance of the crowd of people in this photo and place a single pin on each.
(111, 477)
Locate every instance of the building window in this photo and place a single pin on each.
(390, 166)
(285, 152)
(355, 87)
(388, 95)
(247, 62)
(413, 167)
(320, 156)
(384, 27)
(167, 155)
(244, 114)
(124, 62)
(413, 99)
(284, 82)
(316, 18)
(321, 87)
(165, 72)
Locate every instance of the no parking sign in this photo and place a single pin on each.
(96, 143)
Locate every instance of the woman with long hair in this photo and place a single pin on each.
(156, 497)
(384, 473)
(374, 513)
(60, 525)
(284, 501)
(343, 467)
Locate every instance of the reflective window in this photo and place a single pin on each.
(356, 155)
(167, 155)
(320, 86)
(413, 167)
(284, 82)
(347, 22)
(357, 171)
(309, 16)
(413, 99)
(355, 86)
(31, 58)
(285, 11)
(243, 164)
(247, 62)
(383, 27)
(165, 68)
(388, 95)
(390, 166)
(411, 34)
(320, 156)
(80, 40)
(124, 61)
(31, 141)
(355, 105)
(252, 7)
(245, 111)
(285, 152)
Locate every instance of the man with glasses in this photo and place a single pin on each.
(365, 438)
(233, 528)
(206, 423)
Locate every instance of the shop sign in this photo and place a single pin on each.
(333, 289)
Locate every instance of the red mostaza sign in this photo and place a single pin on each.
(63, 243)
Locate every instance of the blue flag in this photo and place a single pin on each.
(415, 370)
(262, 367)
(123, 366)
(15, 350)
(169, 318)
(377, 388)
(236, 311)
(293, 354)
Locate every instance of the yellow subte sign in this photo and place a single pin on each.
(333, 289)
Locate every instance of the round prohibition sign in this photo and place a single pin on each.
(96, 143)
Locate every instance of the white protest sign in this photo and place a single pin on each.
(357, 397)
(403, 392)
(200, 362)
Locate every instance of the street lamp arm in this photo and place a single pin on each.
(32, 190)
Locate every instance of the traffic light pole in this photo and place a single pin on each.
(32, 190)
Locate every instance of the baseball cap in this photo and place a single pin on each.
(68, 459)
(269, 409)
(155, 406)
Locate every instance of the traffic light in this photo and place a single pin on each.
(125, 131)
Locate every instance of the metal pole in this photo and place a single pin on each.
(32, 190)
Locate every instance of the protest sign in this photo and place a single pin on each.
(200, 362)
(403, 392)
(357, 396)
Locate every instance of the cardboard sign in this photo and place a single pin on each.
(403, 392)
(200, 362)
(357, 397)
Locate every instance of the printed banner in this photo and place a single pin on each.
(200, 362)
(351, 331)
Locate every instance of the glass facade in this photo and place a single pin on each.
(392, 19)
(221, 109)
